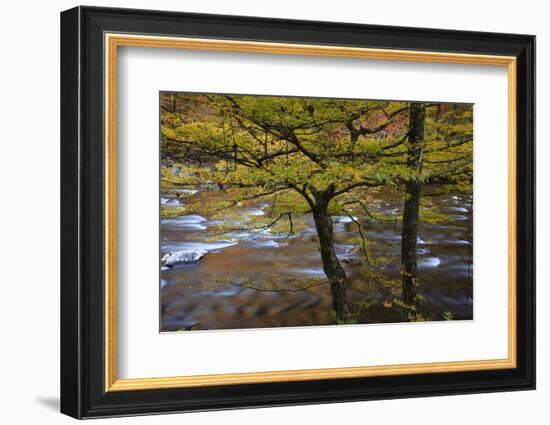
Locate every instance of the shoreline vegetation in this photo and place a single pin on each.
(301, 211)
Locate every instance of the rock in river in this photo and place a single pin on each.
(188, 256)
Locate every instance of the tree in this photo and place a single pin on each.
(306, 156)
(445, 157)
(322, 151)
(411, 208)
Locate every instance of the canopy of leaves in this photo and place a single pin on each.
(292, 149)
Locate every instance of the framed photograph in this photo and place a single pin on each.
(261, 212)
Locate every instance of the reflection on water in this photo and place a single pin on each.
(189, 300)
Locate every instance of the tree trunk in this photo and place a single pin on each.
(331, 266)
(409, 233)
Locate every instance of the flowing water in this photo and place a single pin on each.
(210, 294)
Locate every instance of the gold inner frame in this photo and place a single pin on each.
(113, 41)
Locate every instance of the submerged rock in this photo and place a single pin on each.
(189, 256)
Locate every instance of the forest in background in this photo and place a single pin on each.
(322, 160)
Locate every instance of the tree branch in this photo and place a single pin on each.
(355, 185)
(256, 288)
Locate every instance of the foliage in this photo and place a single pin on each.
(253, 147)
(304, 155)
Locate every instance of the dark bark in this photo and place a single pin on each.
(331, 266)
(413, 188)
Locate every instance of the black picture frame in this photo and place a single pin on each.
(83, 392)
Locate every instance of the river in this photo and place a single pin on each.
(206, 294)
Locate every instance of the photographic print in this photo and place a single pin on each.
(265, 215)
(301, 211)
